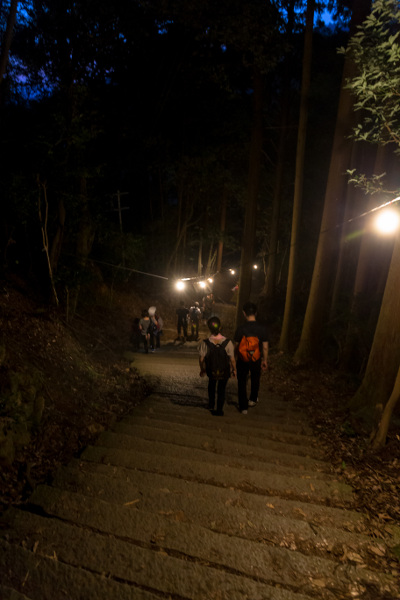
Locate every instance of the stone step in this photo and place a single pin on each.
(269, 406)
(122, 486)
(264, 412)
(7, 593)
(243, 425)
(129, 548)
(223, 475)
(228, 519)
(279, 453)
(178, 445)
(150, 567)
(26, 571)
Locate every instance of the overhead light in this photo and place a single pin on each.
(387, 221)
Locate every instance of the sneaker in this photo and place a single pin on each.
(244, 412)
(252, 403)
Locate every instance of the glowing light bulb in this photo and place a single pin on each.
(387, 221)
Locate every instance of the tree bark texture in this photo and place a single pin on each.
(365, 285)
(378, 439)
(222, 228)
(384, 358)
(299, 177)
(249, 232)
(271, 259)
(324, 267)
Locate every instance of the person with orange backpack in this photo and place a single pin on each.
(251, 351)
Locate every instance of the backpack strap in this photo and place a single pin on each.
(222, 344)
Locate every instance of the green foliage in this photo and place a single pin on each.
(375, 49)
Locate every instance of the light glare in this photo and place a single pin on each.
(387, 221)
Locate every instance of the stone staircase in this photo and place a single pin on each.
(175, 503)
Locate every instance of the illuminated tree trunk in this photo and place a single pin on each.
(378, 438)
(222, 228)
(327, 248)
(384, 359)
(349, 239)
(298, 183)
(364, 287)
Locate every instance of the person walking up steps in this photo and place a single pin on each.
(182, 324)
(251, 351)
(194, 316)
(217, 360)
(144, 325)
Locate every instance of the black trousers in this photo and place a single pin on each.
(219, 386)
(154, 340)
(195, 329)
(182, 324)
(242, 371)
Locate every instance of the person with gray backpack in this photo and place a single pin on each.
(217, 361)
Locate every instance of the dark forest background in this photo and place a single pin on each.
(147, 141)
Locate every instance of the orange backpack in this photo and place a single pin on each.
(249, 349)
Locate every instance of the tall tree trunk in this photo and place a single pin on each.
(378, 437)
(268, 293)
(349, 245)
(200, 256)
(298, 184)
(384, 358)
(316, 310)
(249, 231)
(362, 288)
(56, 245)
(222, 227)
(84, 242)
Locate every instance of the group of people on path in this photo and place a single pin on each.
(192, 316)
(148, 330)
(188, 317)
(220, 359)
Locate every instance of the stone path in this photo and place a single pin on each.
(175, 503)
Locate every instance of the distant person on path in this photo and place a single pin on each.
(136, 334)
(155, 328)
(182, 323)
(195, 316)
(217, 360)
(251, 350)
(144, 325)
(208, 306)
